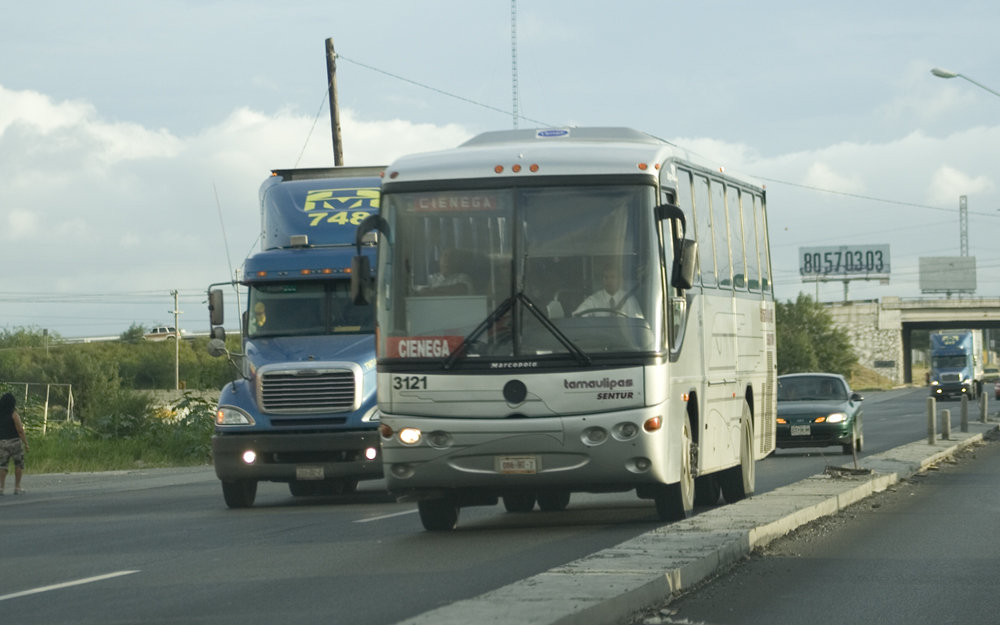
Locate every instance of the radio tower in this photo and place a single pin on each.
(513, 54)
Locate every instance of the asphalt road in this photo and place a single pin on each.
(924, 551)
(160, 546)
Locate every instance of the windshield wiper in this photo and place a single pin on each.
(499, 312)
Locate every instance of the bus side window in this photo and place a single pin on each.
(703, 232)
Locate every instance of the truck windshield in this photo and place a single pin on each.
(306, 308)
(957, 361)
(540, 272)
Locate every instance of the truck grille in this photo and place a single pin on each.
(950, 377)
(311, 391)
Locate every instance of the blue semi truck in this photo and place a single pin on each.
(956, 363)
(302, 408)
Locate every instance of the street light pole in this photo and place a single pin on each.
(943, 73)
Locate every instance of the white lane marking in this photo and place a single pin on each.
(86, 580)
(385, 516)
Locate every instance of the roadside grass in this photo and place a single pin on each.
(179, 435)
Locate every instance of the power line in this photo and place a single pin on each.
(441, 91)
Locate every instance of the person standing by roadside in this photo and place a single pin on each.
(13, 443)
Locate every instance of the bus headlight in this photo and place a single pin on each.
(410, 436)
(594, 436)
(626, 430)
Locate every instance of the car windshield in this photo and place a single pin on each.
(811, 388)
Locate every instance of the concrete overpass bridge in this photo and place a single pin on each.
(881, 331)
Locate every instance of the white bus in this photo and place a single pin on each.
(570, 310)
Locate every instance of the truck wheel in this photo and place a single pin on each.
(239, 494)
(438, 515)
(302, 489)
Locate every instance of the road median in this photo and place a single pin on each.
(614, 584)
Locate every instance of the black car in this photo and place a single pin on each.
(818, 409)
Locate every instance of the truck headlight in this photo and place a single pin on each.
(231, 415)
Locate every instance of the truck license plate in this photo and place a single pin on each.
(800, 430)
(309, 473)
(517, 464)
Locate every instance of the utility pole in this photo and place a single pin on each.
(513, 55)
(177, 343)
(963, 225)
(331, 73)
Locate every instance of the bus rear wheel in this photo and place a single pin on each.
(553, 501)
(740, 481)
(438, 515)
(519, 502)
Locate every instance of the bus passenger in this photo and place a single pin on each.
(610, 299)
(448, 280)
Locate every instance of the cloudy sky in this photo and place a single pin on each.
(134, 135)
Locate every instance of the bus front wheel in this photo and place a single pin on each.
(674, 502)
(438, 515)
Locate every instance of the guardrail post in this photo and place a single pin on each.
(946, 425)
(964, 423)
(931, 420)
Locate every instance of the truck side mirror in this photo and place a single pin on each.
(217, 347)
(216, 307)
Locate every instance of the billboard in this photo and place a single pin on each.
(948, 274)
(844, 262)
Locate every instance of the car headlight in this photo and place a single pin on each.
(836, 417)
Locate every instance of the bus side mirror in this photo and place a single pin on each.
(360, 276)
(216, 307)
(360, 265)
(682, 276)
(685, 250)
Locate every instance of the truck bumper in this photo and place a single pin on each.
(291, 457)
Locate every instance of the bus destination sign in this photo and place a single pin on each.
(844, 262)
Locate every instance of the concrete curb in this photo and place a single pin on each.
(614, 584)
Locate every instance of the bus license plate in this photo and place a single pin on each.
(800, 430)
(517, 464)
(309, 473)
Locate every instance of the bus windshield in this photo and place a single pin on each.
(532, 272)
